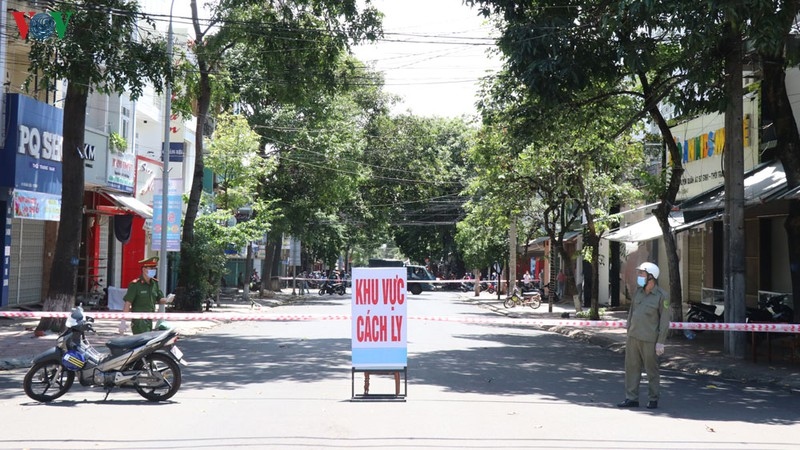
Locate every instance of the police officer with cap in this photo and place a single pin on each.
(142, 295)
(648, 324)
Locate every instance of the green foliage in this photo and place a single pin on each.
(586, 314)
(417, 168)
(207, 253)
(235, 158)
(118, 144)
(482, 235)
(104, 49)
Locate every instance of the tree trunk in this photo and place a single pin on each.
(63, 276)
(667, 198)
(193, 206)
(273, 258)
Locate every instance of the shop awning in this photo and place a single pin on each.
(648, 229)
(762, 184)
(643, 230)
(538, 243)
(131, 204)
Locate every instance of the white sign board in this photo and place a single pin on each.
(379, 318)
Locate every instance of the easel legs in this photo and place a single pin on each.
(396, 383)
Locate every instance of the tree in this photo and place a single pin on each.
(561, 52)
(285, 52)
(319, 147)
(417, 168)
(234, 156)
(104, 50)
(557, 167)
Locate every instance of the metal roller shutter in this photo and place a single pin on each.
(27, 260)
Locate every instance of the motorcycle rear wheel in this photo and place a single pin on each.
(535, 302)
(45, 375)
(340, 290)
(322, 291)
(169, 370)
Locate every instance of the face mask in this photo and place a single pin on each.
(151, 273)
(641, 281)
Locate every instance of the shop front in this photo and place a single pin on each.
(30, 197)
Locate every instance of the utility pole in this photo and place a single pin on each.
(163, 258)
(733, 220)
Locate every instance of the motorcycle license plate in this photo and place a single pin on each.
(176, 352)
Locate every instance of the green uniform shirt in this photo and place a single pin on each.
(143, 297)
(648, 317)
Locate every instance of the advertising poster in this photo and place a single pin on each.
(174, 214)
(379, 318)
(35, 205)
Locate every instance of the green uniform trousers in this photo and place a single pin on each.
(139, 326)
(639, 354)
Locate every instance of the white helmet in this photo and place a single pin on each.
(650, 268)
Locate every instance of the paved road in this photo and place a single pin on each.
(287, 385)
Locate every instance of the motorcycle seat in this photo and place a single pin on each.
(137, 340)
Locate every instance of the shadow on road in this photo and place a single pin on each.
(510, 366)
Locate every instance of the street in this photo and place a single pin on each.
(288, 385)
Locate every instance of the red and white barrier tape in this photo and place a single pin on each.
(257, 317)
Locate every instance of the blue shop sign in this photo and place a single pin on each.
(31, 157)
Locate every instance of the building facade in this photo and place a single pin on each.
(123, 168)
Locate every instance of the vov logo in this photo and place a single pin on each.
(41, 25)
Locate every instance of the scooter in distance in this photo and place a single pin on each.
(330, 288)
(146, 362)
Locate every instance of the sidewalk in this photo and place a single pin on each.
(703, 355)
(18, 345)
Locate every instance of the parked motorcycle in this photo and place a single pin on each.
(330, 287)
(771, 308)
(146, 362)
(705, 313)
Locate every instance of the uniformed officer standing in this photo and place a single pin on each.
(142, 295)
(648, 325)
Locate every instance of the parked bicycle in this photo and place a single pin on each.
(532, 299)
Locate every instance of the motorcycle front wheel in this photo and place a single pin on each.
(47, 380)
(340, 290)
(322, 291)
(159, 365)
(509, 302)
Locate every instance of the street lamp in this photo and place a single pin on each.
(162, 262)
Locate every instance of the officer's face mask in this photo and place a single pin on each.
(151, 273)
(641, 281)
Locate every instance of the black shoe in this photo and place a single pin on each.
(628, 404)
(652, 404)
